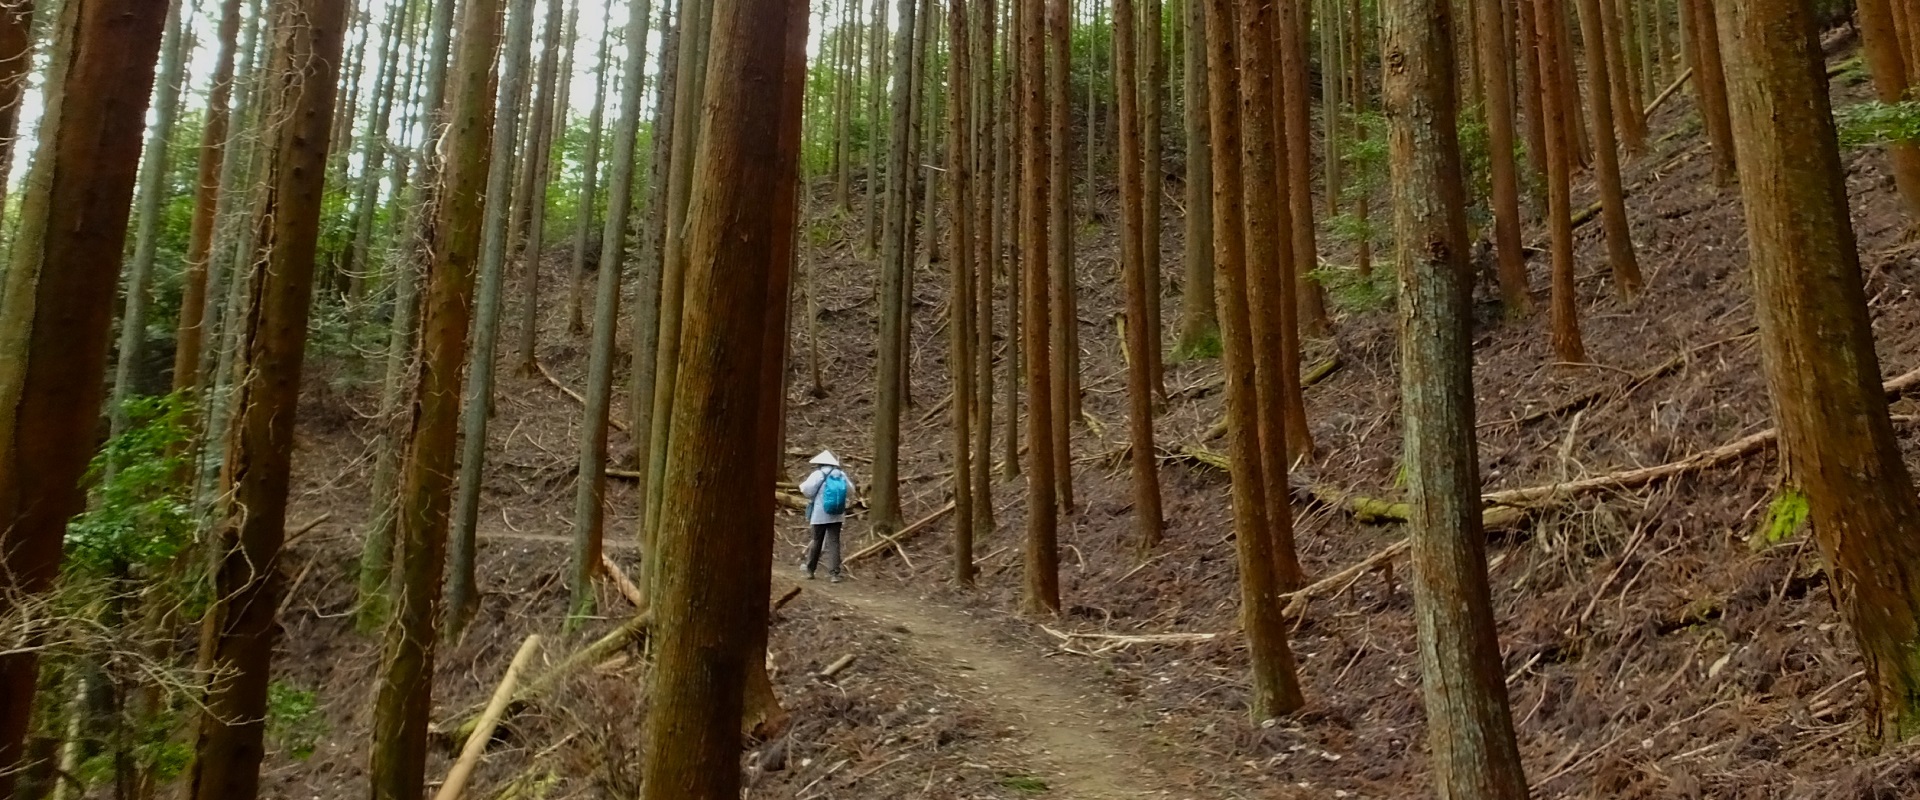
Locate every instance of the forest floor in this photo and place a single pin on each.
(1655, 647)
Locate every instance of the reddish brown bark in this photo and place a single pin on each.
(708, 625)
(1817, 347)
(242, 626)
(1275, 687)
(1565, 309)
(58, 306)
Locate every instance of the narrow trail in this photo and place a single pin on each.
(1079, 747)
(1075, 740)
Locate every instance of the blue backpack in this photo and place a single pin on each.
(833, 493)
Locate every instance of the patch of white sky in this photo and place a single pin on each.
(597, 20)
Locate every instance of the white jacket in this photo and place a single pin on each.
(816, 511)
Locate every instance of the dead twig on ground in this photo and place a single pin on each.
(616, 422)
(895, 540)
(462, 770)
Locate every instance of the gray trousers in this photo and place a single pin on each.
(825, 537)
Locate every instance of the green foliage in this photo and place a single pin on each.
(1873, 123)
(1025, 784)
(294, 721)
(142, 513)
(1785, 515)
(1351, 292)
(1852, 71)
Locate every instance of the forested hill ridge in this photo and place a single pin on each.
(1349, 398)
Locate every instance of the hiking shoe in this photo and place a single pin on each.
(835, 579)
(809, 574)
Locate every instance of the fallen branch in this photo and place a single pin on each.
(1310, 379)
(1598, 393)
(304, 529)
(785, 599)
(621, 582)
(897, 539)
(599, 651)
(577, 397)
(1104, 643)
(462, 770)
(1339, 581)
(1368, 509)
(833, 670)
(1670, 91)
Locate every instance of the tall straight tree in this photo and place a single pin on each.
(644, 373)
(960, 263)
(895, 260)
(715, 524)
(1496, 73)
(1142, 332)
(206, 198)
(1710, 86)
(1042, 594)
(1268, 246)
(1199, 323)
(1066, 319)
(405, 696)
(589, 182)
(1567, 344)
(689, 91)
(151, 194)
(57, 310)
(1275, 687)
(463, 592)
(1817, 345)
(549, 114)
(16, 60)
(1469, 727)
(1606, 155)
(1291, 31)
(373, 151)
(1152, 84)
(376, 560)
(589, 508)
(989, 258)
(1885, 59)
(241, 627)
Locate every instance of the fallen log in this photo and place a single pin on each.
(616, 422)
(899, 538)
(1533, 497)
(599, 651)
(462, 770)
(1104, 643)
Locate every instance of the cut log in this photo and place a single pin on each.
(489, 720)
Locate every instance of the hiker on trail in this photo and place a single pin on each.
(829, 491)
